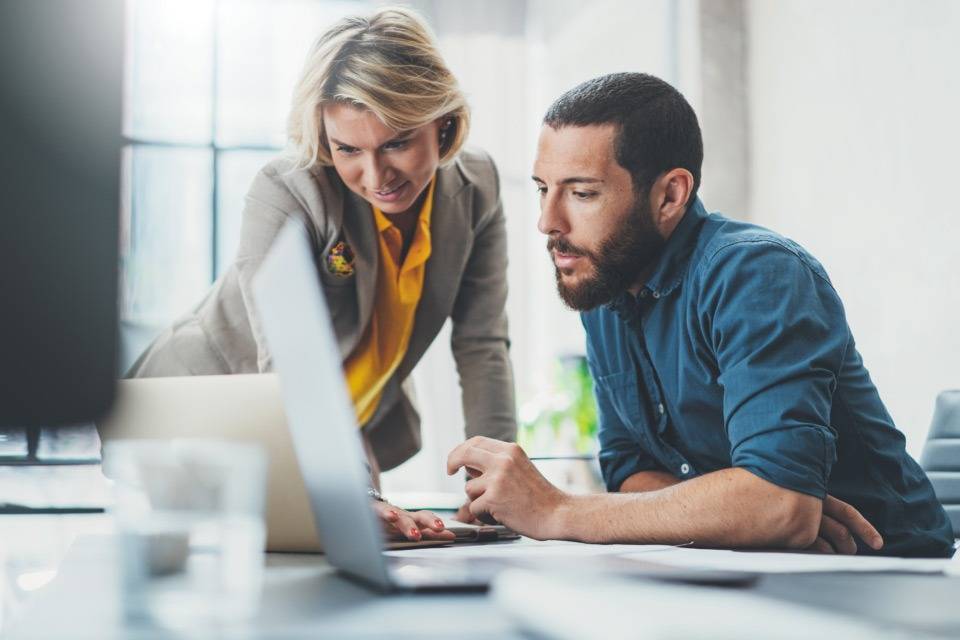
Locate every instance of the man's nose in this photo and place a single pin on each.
(553, 219)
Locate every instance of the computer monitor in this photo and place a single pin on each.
(61, 87)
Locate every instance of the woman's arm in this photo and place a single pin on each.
(479, 339)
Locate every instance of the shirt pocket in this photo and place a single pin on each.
(624, 396)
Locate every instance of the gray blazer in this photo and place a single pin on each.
(465, 280)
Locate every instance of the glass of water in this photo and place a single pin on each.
(189, 521)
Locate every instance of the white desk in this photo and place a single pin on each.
(303, 597)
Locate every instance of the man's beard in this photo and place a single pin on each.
(618, 263)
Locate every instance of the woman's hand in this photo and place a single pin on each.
(410, 525)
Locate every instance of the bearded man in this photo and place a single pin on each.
(735, 410)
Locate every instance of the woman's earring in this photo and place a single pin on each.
(445, 129)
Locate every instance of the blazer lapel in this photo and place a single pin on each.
(361, 234)
(451, 236)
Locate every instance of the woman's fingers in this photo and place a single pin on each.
(428, 520)
(397, 520)
(412, 525)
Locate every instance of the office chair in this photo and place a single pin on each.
(941, 454)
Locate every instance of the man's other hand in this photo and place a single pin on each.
(838, 524)
(505, 484)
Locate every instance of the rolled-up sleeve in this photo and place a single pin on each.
(779, 334)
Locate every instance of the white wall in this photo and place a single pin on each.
(570, 42)
(512, 66)
(854, 144)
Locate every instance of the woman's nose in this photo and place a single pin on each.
(377, 174)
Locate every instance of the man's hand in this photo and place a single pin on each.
(505, 484)
(463, 514)
(838, 524)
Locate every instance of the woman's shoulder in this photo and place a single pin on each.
(478, 168)
(284, 185)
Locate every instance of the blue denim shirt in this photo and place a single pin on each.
(737, 353)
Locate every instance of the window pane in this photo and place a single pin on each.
(235, 171)
(166, 244)
(171, 70)
(261, 50)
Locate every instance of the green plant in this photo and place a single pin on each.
(564, 419)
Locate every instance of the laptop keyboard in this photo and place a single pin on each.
(51, 471)
(13, 444)
(74, 444)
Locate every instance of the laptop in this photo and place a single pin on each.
(324, 430)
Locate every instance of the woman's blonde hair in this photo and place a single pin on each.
(387, 62)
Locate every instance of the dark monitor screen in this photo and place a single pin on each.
(61, 86)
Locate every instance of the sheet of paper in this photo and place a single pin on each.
(769, 562)
(572, 606)
(526, 548)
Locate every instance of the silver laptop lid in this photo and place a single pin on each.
(320, 415)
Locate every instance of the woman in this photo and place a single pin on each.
(407, 229)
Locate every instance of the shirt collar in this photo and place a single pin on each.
(672, 265)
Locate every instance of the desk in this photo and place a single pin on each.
(303, 597)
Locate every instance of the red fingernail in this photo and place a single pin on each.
(415, 533)
(438, 524)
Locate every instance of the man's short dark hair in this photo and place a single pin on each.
(657, 128)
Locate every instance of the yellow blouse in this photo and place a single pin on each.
(399, 288)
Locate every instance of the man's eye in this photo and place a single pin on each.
(583, 195)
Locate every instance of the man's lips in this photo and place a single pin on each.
(565, 260)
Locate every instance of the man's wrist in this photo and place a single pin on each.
(562, 520)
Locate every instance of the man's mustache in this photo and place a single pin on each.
(560, 245)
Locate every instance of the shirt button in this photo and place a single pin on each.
(656, 294)
(684, 468)
(660, 409)
(643, 293)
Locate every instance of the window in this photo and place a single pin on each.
(207, 92)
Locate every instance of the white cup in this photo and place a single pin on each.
(189, 518)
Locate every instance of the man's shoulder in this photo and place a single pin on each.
(725, 242)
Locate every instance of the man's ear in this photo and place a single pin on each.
(669, 198)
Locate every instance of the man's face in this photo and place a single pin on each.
(601, 234)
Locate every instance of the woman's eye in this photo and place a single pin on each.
(346, 150)
(542, 190)
(395, 144)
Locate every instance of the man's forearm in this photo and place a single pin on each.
(727, 508)
(648, 481)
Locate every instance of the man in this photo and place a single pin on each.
(734, 408)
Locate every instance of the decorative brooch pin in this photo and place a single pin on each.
(340, 260)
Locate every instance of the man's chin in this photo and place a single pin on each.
(582, 295)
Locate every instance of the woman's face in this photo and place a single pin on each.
(387, 168)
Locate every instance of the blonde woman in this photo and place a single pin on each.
(407, 229)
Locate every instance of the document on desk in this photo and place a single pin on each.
(772, 562)
(526, 548)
